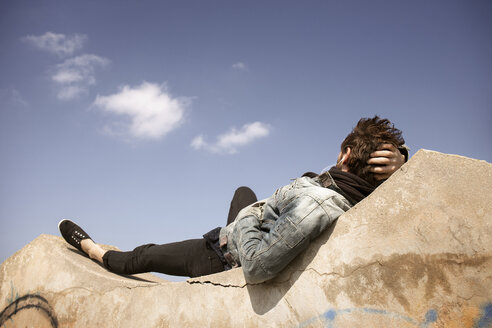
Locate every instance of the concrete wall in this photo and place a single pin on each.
(416, 253)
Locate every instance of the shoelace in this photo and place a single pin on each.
(80, 235)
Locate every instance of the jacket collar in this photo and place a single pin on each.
(348, 184)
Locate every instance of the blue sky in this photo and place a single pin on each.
(138, 119)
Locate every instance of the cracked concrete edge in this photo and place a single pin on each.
(205, 282)
(231, 278)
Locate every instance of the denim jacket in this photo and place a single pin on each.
(269, 234)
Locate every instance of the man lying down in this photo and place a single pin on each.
(263, 237)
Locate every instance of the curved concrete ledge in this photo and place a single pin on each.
(416, 253)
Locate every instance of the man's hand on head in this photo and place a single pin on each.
(385, 161)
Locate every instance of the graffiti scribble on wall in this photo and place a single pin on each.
(27, 309)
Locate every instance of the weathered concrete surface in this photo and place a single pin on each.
(416, 253)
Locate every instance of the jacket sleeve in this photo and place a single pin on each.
(263, 254)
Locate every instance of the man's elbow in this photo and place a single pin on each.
(254, 278)
(255, 273)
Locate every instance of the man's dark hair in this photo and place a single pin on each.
(365, 138)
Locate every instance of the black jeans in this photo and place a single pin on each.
(191, 258)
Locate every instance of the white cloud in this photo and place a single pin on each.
(67, 76)
(240, 66)
(76, 74)
(71, 92)
(12, 97)
(17, 98)
(153, 112)
(56, 43)
(198, 142)
(229, 142)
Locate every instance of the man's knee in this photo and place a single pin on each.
(244, 191)
(142, 249)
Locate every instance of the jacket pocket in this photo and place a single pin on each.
(289, 232)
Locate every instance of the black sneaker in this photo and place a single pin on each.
(72, 233)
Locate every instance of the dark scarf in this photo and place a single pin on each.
(352, 185)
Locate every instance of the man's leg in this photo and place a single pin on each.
(187, 258)
(191, 258)
(243, 197)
